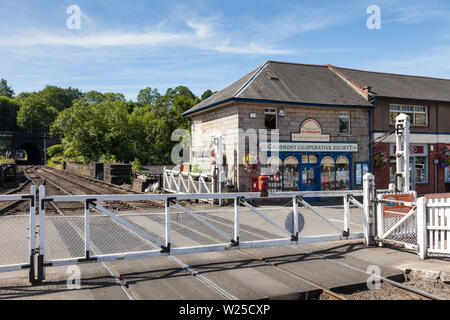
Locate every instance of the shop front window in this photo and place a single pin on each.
(291, 174)
(274, 173)
(327, 171)
(420, 169)
(309, 159)
(418, 165)
(342, 173)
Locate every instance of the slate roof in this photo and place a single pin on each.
(288, 83)
(400, 86)
(303, 84)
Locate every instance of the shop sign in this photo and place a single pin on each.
(416, 150)
(309, 147)
(310, 130)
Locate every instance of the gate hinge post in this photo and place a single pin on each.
(165, 249)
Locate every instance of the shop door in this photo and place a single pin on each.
(310, 177)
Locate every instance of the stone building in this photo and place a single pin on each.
(326, 126)
(322, 125)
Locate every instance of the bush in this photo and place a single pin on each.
(56, 150)
(137, 166)
(6, 160)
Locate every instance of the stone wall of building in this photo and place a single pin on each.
(227, 120)
(221, 121)
(295, 115)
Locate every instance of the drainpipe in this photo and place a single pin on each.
(436, 152)
(372, 100)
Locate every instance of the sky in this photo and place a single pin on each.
(124, 46)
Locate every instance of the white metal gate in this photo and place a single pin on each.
(18, 235)
(101, 235)
(187, 182)
(397, 226)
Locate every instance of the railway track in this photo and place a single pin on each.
(19, 206)
(419, 294)
(128, 291)
(96, 187)
(60, 183)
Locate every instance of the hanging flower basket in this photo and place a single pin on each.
(445, 158)
(251, 163)
(381, 159)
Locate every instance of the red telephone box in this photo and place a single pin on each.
(254, 184)
(263, 183)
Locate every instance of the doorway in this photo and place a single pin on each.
(310, 173)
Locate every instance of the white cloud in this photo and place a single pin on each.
(415, 12)
(202, 29)
(197, 34)
(251, 48)
(428, 64)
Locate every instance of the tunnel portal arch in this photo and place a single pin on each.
(34, 154)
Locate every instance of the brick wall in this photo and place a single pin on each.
(382, 176)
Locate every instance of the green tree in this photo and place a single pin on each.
(59, 98)
(93, 131)
(6, 90)
(206, 94)
(35, 115)
(93, 97)
(148, 96)
(8, 112)
(112, 96)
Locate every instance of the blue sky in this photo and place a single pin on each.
(124, 46)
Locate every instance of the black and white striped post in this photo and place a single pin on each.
(41, 256)
(346, 232)
(237, 203)
(369, 208)
(296, 228)
(87, 229)
(32, 230)
(166, 247)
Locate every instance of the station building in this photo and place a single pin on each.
(326, 126)
(427, 103)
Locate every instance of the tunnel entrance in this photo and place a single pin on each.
(33, 154)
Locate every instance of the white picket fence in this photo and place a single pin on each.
(433, 224)
(425, 228)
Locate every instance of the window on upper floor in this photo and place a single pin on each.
(270, 119)
(418, 115)
(344, 122)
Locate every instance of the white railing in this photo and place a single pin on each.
(179, 229)
(18, 236)
(175, 181)
(433, 216)
(99, 235)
